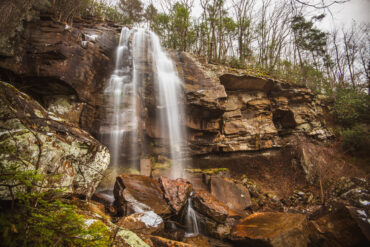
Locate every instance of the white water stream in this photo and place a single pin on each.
(122, 94)
(169, 89)
(191, 222)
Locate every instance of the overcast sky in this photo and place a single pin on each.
(342, 14)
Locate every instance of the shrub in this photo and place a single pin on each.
(39, 217)
(351, 106)
(235, 63)
(356, 140)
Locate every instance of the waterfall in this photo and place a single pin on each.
(169, 90)
(120, 127)
(191, 222)
(140, 50)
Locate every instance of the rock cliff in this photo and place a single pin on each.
(33, 139)
(65, 68)
(229, 111)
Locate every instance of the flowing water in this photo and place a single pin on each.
(191, 222)
(138, 48)
(121, 126)
(169, 95)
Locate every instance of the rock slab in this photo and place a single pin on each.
(138, 193)
(272, 229)
(235, 196)
(176, 191)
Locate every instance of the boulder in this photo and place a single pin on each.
(138, 193)
(208, 205)
(234, 195)
(272, 229)
(126, 238)
(176, 191)
(146, 223)
(35, 139)
(346, 226)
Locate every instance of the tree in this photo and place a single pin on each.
(150, 14)
(310, 39)
(132, 10)
(180, 24)
(243, 10)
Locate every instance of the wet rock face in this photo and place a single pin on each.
(176, 191)
(229, 112)
(33, 138)
(53, 59)
(272, 229)
(137, 193)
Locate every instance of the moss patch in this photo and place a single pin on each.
(207, 171)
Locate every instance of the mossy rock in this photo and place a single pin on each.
(162, 166)
(211, 171)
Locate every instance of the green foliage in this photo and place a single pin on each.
(351, 106)
(39, 220)
(307, 37)
(235, 63)
(37, 215)
(356, 140)
(132, 11)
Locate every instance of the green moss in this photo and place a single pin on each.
(207, 171)
(162, 166)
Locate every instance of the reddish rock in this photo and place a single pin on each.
(210, 206)
(272, 229)
(50, 59)
(346, 226)
(235, 196)
(137, 193)
(176, 191)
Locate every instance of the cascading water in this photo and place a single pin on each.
(121, 124)
(191, 222)
(169, 92)
(138, 49)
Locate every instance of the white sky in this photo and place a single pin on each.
(342, 14)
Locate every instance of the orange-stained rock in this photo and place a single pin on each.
(137, 193)
(208, 205)
(272, 229)
(176, 191)
(235, 196)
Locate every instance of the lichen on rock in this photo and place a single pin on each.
(33, 139)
